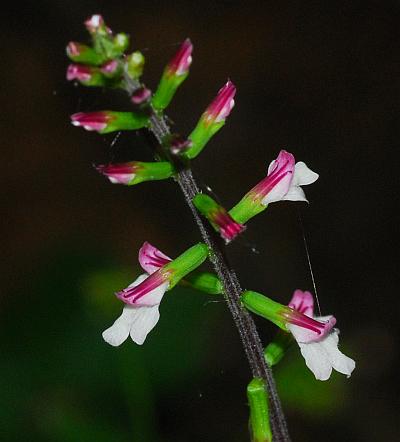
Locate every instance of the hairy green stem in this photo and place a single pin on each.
(232, 290)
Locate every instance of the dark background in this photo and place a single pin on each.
(319, 79)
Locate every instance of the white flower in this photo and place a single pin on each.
(139, 319)
(321, 353)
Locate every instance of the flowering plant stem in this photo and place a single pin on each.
(244, 323)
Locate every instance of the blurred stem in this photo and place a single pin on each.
(232, 290)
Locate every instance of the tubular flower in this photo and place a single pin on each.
(321, 354)
(282, 315)
(143, 296)
(316, 337)
(282, 182)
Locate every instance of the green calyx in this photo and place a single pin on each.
(259, 411)
(185, 263)
(276, 349)
(246, 209)
(120, 44)
(207, 207)
(266, 307)
(152, 171)
(166, 89)
(200, 136)
(124, 121)
(205, 282)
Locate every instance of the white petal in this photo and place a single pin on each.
(303, 175)
(340, 362)
(301, 334)
(279, 191)
(119, 331)
(295, 193)
(317, 360)
(144, 321)
(304, 335)
(271, 167)
(153, 298)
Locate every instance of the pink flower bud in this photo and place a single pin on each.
(222, 105)
(79, 72)
(74, 49)
(95, 24)
(110, 67)
(96, 121)
(180, 63)
(141, 95)
(179, 145)
(122, 173)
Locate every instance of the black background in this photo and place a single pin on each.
(319, 79)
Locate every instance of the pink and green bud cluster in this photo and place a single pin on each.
(100, 64)
(109, 121)
(259, 411)
(282, 315)
(282, 182)
(168, 276)
(218, 217)
(212, 120)
(151, 259)
(175, 73)
(136, 172)
(104, 42)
